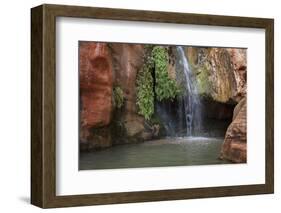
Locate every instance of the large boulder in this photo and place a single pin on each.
(234, 147)
(96, 83)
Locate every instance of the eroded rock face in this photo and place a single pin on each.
(220, 73)
(234, 147)
(222, 76)
(96, 82)
(127, 61)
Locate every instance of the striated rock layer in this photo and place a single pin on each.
(234, 147)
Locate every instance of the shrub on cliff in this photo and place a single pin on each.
(145, 96)
(156, 61)
(165, 88)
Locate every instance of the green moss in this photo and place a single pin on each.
(118, 97)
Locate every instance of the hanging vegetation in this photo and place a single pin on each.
(166, 88)
(145, 96)
(155, 61)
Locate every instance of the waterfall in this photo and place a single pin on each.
(190, 106)
(182, 116)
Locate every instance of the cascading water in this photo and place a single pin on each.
(182, 117)
(190, 102)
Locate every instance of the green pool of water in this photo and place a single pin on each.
(158, 153)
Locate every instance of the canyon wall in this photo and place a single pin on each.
(103, 68)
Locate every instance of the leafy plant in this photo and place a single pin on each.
(145, 96)
(156, 60)
(118, 95)
(166, 88)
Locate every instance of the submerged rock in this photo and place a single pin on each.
(234, 147)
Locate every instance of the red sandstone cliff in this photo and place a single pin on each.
(96, 82)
